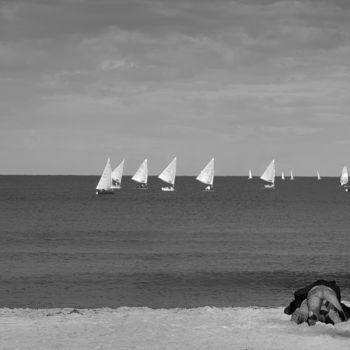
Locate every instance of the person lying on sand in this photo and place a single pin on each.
(319, 301)
(317, 297)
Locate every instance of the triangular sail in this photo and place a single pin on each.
(318, 176)
(291, 175)
(117, 173)
(344, 176)
(269, 174)
(250, 176)
(282, 176)
(141, 174)
(206, 176)
(105, 182)
(169, 173)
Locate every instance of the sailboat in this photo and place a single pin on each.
(141, 176)
(104, 186)
(117, 175)
(291, 175)
(282, 176)
(344, 178)
(269, 175)
(206, 176)
(318, 176)
(168, 175)
(250, 176)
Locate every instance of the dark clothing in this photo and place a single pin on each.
(346, 310)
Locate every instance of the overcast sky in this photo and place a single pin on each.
(242, 81)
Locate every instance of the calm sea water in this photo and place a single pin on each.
(241, 245)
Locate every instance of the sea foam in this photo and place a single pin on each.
(145, 328)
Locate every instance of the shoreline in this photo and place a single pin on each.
(144, 328)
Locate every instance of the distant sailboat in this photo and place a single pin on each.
(344, 178)
(206, 176)
(141, 176)
(104, 186)
(269, 175)
(168, 175)
(282, 176)
(291, 175)
(250, 176)
(117, 175)
(318, 176)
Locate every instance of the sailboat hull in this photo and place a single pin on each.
(142, 187)
(168, 189)
(208, 189)
(110, 191)
(272, 186)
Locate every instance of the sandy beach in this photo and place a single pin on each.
(144, 328)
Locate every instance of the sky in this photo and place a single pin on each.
(244, 81)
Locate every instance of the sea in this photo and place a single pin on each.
(183, 270)
(62, 246)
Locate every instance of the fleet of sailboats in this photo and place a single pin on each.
(269, 175)
(168, 176)
(206, 176)
(141, 176)
(111, 180)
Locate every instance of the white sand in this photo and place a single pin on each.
(144, 328)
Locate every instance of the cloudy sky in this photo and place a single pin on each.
(244, 81)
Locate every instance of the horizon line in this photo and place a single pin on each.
(179, 175)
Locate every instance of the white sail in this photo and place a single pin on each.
(169, 173)
(344, 176)
(291, 175)
(105, 182)
(117, 175)
(269, 174)
(141, 174)
(250, 176)
(206, 176)
(318, 176)
(282, 176)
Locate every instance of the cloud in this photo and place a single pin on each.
(110, 65)
(162, 75)
(8, 11)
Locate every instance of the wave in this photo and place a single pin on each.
(146, 328)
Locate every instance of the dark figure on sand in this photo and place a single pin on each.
(319, 301)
